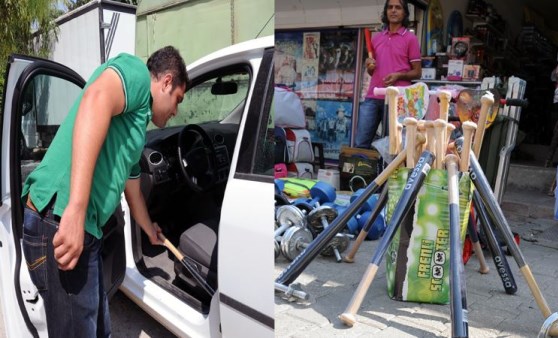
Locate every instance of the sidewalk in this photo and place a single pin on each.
(492, 312)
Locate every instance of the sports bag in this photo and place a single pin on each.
(289, 112)
(299, 145)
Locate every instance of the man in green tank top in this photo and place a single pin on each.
(92, 160)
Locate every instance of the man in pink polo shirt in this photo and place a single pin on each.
(396, 62)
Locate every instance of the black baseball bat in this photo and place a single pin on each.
(380, 204)
(496, 214)
(458, 293)
(301, 261)
(406, 201)
(500, 260)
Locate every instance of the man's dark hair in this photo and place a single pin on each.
(168, 60)
(405, 6)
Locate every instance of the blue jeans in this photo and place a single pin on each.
(75, 302)
(369, 116)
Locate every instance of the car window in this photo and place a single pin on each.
(264, 160)
(257, 148)
(46, 102)
(213, 99)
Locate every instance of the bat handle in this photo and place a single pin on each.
(170, 246)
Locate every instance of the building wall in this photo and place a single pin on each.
(198, 27)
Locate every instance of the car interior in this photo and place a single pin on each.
(184, 172)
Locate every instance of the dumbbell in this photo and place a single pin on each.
(287, 216)
(296, 239)
(319, 219)
(321, 193)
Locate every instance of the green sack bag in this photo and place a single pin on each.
(417, 260)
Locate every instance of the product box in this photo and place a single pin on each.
(357, 167)
(471, 72)
(428, 74)
(455, 70)
(417, 260)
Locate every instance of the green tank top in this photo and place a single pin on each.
(119, 156)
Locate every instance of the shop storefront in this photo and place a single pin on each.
(320, 54)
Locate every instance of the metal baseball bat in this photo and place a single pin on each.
(458, 294)
(496, 214)
(301, 261)
(406, 201)
(380, 204)
(191, 268)
(500, 260)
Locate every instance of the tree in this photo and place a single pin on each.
(27, 27)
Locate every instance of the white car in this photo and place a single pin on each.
(208, 182)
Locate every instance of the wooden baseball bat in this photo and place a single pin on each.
(439, 128)
(458, 294)
(487, 100)
(468, 130)
(449, 129)
(430, 136)
(191, 269)
(391, 93)
(411, 127)
(380, 204)
(403, 206)
(399, 137)
(445, 98)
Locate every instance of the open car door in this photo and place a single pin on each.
(38, 94)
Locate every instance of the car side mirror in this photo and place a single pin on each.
(224, 88)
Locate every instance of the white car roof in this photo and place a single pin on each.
(240, 48)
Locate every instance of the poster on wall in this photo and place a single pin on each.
(329, 122)
(287, 58)
(337, 64)
(320, 67)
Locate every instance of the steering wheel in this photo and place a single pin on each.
(197, 158)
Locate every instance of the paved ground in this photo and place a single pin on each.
(492, 313)
(128, 320)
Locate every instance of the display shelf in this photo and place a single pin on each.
(444, 82)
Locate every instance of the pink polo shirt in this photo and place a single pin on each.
(393, 52)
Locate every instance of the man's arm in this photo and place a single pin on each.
(413, 74)
(138, 209)
(102, 100)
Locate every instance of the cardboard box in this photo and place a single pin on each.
(455, 70)
(428, 74)
(471, 72)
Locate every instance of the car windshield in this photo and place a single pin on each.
(213, 99)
